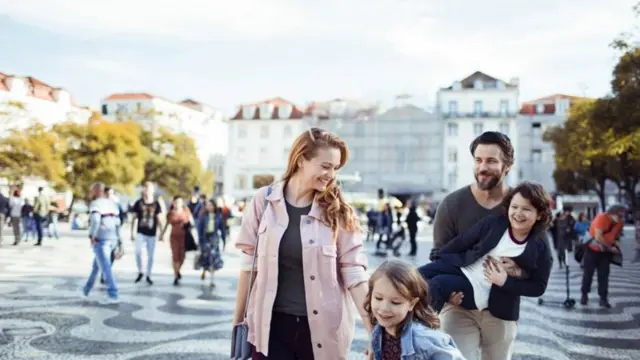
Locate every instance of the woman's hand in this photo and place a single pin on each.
(494, 272)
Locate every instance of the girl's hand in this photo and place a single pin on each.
(494, 272)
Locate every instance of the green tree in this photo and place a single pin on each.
(102, 151)
(172, 162)
(33, 151)
(581, 162)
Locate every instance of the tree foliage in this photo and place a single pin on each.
(33, 151)
(102, 151)
(172, 162)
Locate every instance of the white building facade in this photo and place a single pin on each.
(535, 157)
(207, 126)
(467, 108)
(27, 100)
(260, 138)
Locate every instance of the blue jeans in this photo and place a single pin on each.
(149, 242)
(102, 263)
(53, 227)
(444, 279)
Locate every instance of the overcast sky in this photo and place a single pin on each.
(225, 52)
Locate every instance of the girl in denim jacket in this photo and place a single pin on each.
(405, 327)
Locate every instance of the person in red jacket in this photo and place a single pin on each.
(605, 233)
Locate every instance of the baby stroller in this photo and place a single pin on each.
(569, 303)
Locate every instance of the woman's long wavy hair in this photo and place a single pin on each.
(336, 212)
(411, 285)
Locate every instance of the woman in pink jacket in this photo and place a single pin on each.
(310, 261)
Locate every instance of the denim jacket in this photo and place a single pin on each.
(419, 342)
(203, 221)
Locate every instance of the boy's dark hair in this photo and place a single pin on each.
(495, 138)
(538, 197)
(107, 188)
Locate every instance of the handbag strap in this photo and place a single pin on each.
(255, 253)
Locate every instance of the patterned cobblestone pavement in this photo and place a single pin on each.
(43, 317)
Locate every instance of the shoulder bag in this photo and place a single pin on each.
(240, 346)
(580, 248)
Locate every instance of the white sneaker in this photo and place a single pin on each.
(109, 301)
(83, 295)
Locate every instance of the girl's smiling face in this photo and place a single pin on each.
(522, 214)
(388, 306)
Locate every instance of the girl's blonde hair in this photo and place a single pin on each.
(336, 211)
(411, 285)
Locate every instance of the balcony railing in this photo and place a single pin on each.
(484, 114)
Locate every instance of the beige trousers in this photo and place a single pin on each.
(478, 334)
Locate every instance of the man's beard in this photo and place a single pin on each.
(493, 181)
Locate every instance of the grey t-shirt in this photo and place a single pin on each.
(458, 212)
(290, 296)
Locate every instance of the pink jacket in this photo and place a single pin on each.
(329, 271)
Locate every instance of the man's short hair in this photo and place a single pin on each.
(98, 185)
(495, 138)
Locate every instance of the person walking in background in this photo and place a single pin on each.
(210, 230)
(227, 216)
(41, 208)
(4, 212)
(412, 221)
(311, 268)
(53, 228)
(372, 223)
(28, 222)
(385, 226)
(581, 227)
(15, 211)
(180, 219)
(145, 228)
(104, 234)
(108, 190)
(605, 234)
(563, 228)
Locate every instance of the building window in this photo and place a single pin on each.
(504, 128)
(536, 156)
(452, 129)
(504, 107)
(241, 182)
(240, 154)
(478, 129)
(285, 153)
(242, 132)
(284, 111)
(478, 85)
(264, 131)
(536, 129)
(260, 181)
(452, 155)
(477, 107)
(248, 112)
(359, 130)
(105, 110)
(452, 180)
(453, 107)
(287, 132)
(266, 111)
(540, 108)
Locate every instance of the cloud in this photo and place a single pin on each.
(555, 43)
(106, 66)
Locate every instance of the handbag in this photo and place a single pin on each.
(189, 239)
(240, 345)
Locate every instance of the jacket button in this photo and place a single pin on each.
(311, 241)
(315, 312)
(319, 345)
(313, 277)
(309, 222)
